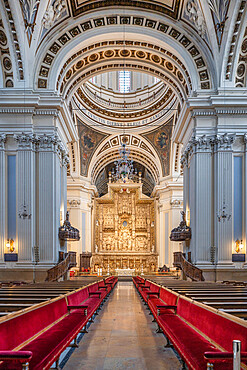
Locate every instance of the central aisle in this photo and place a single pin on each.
(123, 336)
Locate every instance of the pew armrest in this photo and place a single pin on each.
(165, 307)
(94, 294)
(79, 307)
(219, 356)
(153, 294)
(103, 287)
(22, 356)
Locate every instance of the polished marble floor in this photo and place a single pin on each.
(123, 337)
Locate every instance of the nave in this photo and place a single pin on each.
(123, 337)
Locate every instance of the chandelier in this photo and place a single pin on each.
(124, 166)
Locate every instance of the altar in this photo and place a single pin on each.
(124, 231)
(125, 272)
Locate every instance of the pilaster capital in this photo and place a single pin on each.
(75, 203)
(25, 140)
(65, 160)
(3, 139)
(176, 203)
(47, 142)
(223, 142)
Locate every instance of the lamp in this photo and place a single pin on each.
(239, 246)
(10, 245)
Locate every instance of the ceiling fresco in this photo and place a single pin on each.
(168, 7)
(161, 140)
(89, 140)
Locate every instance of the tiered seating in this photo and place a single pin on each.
(201, 335)
(36, 336)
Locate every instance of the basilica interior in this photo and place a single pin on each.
(123, 155)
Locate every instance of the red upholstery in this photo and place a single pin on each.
(165, 297)
(23, 325)
(145, 292)
(198, 334)
(47, 330)
(191, 339)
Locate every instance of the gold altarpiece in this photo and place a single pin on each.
(124, 230)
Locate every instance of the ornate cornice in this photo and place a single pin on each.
(17, 110)
(218, 111)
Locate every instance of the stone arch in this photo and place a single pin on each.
(61, 47)
(141, 151)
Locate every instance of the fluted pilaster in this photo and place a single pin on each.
(2, 196)
(25, 196)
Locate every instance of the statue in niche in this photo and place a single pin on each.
(96, 248)
(152, 267)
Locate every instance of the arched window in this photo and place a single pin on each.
(124, 81)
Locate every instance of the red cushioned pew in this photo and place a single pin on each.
(165, 299)
(36, 337)
(202, 335)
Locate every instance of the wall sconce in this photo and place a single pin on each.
(10, 245)
(238, 254)
(239, 246)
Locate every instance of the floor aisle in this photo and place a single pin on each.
(123, 337)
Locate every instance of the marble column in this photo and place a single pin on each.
(223, 202)
(49, 198)
(25, 196)
(200, 199)
(2, 196)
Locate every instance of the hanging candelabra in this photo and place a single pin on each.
(124, 166)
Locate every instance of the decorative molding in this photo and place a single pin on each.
(80, 7)
(206, 143)
(53, 13)
(25, 140)
(75, 203)
(219, 10)
(47, 141)
(224, 141)
(166, 60)
(240, 78)
(3, 139)
(218, 111)
(176, 203)
(29, 11)
(186, 42)
(196, 16)
(233, 45)
(5, 57)
(20, 70)
(17, 110)
(162, 103)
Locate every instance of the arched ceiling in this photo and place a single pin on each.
(31, 25)
(51, 47)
